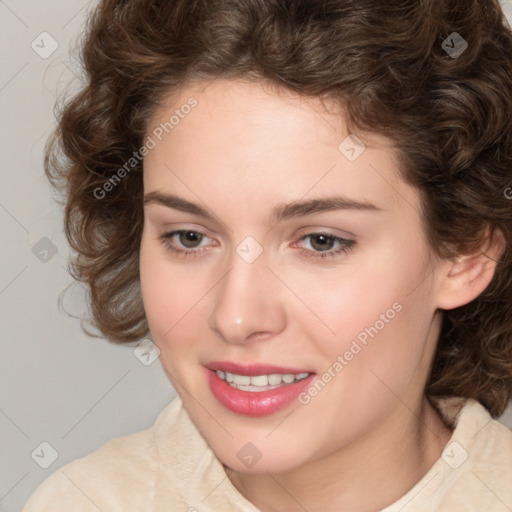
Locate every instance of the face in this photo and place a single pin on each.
(283, 257)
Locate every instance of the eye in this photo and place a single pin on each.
(191, 243)
(190, 239)
(320, 242)
(185, 242)
(324, 245)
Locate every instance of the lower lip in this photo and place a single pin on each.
(255, 403)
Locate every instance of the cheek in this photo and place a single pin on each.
(374, 312)
(347, 300)
(170, 295)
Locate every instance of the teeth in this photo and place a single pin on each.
(241, 380)
(275, 379)
(259, 382)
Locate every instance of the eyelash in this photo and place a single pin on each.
(344, 245)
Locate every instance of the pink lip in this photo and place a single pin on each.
(249, 403)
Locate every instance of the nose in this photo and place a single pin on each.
(248, 303)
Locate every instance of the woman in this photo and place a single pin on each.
(304, 203)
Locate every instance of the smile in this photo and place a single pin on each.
(257, 389)
(260, 383)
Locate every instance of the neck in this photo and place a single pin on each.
(368, 475)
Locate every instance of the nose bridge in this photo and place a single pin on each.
(246, 304)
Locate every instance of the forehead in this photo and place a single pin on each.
(244, 139)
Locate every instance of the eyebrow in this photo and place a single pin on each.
(176, 203)
(279, 213)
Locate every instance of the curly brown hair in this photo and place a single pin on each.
(395, 66)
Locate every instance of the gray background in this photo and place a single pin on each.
(57, 385)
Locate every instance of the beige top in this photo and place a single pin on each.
(169, 467)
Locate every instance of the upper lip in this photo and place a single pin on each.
(252, 369)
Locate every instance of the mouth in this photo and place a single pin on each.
(256, 389)
(259, 383)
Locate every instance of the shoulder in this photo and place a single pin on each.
(490, 456)
(474, 472)
(478, 462)
(121, 469)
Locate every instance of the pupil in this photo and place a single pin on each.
(190, 238)
(322, 242)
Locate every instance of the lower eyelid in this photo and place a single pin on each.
(181, 252)
(344, 247)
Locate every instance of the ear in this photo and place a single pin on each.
(466, 277)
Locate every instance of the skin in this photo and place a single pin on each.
(370, 434)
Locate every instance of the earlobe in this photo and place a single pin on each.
(467, 276)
